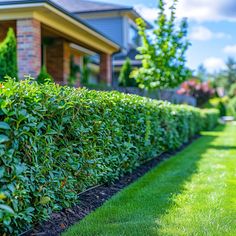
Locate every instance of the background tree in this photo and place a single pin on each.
(124, 78)
(74, 70)
(44, 76)
(163, 56)
(225, 78)
(8, 58)
(85, 71)
(202, 73)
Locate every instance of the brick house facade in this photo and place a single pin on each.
(37, 22)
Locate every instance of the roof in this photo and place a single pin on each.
(87, 6)
(55, 4)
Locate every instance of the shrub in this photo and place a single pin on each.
(219, 103)
(74, 70)
(57, 141)
(232, 91)
(124, 77)
(201, 91)
(43, 76)
(231, 108)
(8, 58)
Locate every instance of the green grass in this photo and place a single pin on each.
(193, 193)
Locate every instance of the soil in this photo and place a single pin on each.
(93, 198)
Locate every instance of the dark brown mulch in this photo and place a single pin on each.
(93, 198)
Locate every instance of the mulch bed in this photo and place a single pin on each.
(93, 198)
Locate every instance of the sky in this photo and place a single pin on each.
(212, 28)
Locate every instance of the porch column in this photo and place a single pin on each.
(106, 68)
(58, 60)
(28, 47)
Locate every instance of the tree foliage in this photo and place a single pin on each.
(85, 71)
(44, 76)
(74, 70)
(163, 56)
(8, 56)
(124, 78)
(227, 77)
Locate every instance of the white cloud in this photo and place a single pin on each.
(148, 13)
(197, 10)
(202, 33)
(214, 64)
(230, 49)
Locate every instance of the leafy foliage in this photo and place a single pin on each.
(85, 71)
(227, 77)
(201, 91)
(8, 58)
(163, 56)
(44, 76)
(74, 69)
(124, 78)
(219, 103)
(57, 141)
(232, 91)
(231, 108)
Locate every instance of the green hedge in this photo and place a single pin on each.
(57, 141)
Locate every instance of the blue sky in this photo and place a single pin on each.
(212, 25)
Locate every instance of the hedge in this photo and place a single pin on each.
(57, 141)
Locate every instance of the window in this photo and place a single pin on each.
(134, 38)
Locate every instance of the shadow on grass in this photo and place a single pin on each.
(223, 147)
(143, 203)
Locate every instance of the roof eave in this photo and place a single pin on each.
(127, 9)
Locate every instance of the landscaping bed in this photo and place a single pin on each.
(93, 198)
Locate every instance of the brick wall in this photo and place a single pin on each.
(58, 60)
(28, 47)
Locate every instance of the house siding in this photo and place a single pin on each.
(112, 27)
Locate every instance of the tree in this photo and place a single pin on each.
(227, 77)
(163, 56)
(124, 77)
(44, 76)
(74, 69)
(8, 58)
(85, 71)
(202, 73)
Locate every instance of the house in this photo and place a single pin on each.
(48, 33)
(117, 22)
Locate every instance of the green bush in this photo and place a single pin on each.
(219, 103)
(8, 58)
(231, 108)
(124, 77)
(57, 141)
(232, 90)
(44, 76)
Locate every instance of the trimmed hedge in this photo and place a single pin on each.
(57, 141)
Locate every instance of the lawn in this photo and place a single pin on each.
(193, 193)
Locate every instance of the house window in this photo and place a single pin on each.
(134, 39)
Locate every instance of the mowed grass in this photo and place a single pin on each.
(193, 193)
